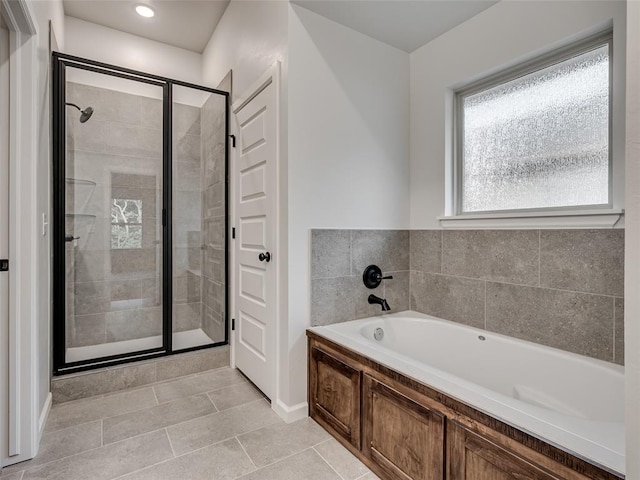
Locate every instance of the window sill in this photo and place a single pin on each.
(543, 220)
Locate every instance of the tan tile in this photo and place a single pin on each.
(222, 461)
(63, 443)
(12, 476)
(150, 419)
(203, 383)
(369, 476)
(87, 410)
(498, 255)
(389, 249)
(198, 433)
(235, 396)
(397, 292)
(98, 383)
(307, 465)
(619, 331)
(426, 250)
(341, 459)
(577, 322)
(179, 365)
(272, 443)
(583, 260)
(330, 253)
(108, 462)
(457, 299)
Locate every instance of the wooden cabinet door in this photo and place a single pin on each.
(334, 391)
(405, 439)
(473, 457)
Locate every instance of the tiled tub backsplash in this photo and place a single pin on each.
(562, 288)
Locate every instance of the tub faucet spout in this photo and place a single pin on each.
(380, 301)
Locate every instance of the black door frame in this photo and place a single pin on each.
(59, 64)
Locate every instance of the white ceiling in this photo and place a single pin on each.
(404, 24)
(183, 23)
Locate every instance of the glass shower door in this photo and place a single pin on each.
(113, 208)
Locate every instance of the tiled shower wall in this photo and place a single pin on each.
(562, 288)
(213, 216)
(113, 294)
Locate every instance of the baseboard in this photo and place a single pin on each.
(44, 415)
(291, 414)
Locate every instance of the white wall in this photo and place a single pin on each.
(501, 36)
(348, 152)
(250, 37)
(95, 42)
(45, 11)
(632, 253)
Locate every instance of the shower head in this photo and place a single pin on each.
(84, 114)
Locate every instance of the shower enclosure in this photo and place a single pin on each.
(140, 215)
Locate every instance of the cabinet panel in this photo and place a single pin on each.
(401, 436)
(335, 395)
(472, 457)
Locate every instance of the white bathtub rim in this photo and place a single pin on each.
(607, 453)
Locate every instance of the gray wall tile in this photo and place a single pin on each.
(396, 291)
(332, 300)
(426, 250)
(576, 322)
(583, 260)
(499, 255)
(330, 253)
(619, 331)
(389, 249)
(457, 299)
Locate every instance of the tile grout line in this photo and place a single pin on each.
(539, 258)
(327, 462)
(246, 453)
(614, 330)
(102, 432)
(502, 282)
(147, 433)
(485, 304)
(155, 395)
(166, 431)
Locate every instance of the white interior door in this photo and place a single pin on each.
(254, 169)
(4, 237)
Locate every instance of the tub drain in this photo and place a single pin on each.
(378, 333)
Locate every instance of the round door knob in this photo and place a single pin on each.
(265, 257)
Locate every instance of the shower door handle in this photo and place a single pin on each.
(70, 238)
(265, 257)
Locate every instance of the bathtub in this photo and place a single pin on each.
(568, 400)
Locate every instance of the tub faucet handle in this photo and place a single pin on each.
(372, 276)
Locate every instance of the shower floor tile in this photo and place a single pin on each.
(213, 425)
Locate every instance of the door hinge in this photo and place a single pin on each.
(233, 140)
(4, 265)
(233, 232)
(233, 324)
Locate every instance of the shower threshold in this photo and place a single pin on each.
(181, 341)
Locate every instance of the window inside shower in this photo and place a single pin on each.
(140, 215)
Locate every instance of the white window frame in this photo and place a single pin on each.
(598, 216)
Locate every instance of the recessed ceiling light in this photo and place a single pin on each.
(145, 11)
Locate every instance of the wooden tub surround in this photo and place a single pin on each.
(405, 430)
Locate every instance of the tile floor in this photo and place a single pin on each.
(213, 425)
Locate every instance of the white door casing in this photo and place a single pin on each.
(4, 235)
(254, 168)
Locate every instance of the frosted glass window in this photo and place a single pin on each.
(540, 140)
(126, 223)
